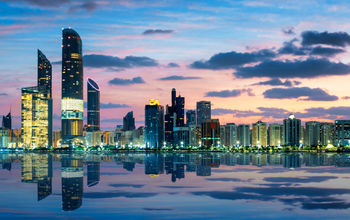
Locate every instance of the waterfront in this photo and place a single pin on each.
(175, 185)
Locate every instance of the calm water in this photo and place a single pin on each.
(179, 185)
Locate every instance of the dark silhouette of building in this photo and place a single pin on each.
(93, 106)
(7, 121)
(203, 111)
(129, 122)
(174, 116)
(45, 87)
(72, 85)
(292, 131)
(154, 125)
(210, 132)
(190, 117)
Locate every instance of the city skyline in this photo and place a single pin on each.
(139, 60)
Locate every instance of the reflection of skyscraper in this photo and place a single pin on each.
(129, 122)
(72, 85)
(154, 164)
(72, 183)
(93, 173)
(35, 118)
(129, 166)
(203, 111)
(37, 168)
(154, 125)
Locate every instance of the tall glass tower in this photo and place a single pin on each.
(45, 87)
(93, 106)
(72, 85)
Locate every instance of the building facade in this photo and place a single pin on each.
(210, 133)
(34, 118)
(342, 133)
(292, 131)
(275, 134)
(243, 135)
(312, 133)
(203, 111)
(93, 106)
(129, 121)
(154, 125)
(72, 104)
(259, 134)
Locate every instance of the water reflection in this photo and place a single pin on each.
(37, 168)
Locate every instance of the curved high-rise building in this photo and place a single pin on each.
(72, 104)
(45, 87)
(93, 106)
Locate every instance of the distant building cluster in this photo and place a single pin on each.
(169, 127)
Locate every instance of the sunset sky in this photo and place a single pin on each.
(254, 60)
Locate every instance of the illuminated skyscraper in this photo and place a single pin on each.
(312, 133)
(275, 134)
(154, 125)
(259, 135)
(34, 118)
(292, 131)
(203, 111)
(327, 133)
(93, 106)
(45, 87)
(72, 85)
(243, 135)
(230, 134)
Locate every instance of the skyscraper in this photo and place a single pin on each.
(342, 133)
(154, 125)
(275, 131)
(7, 121)
(312, 133)
(243, 135)
(129, 122)
(44, 74)
(210, 132)
(72, 85)
(93, 106)
(174, 116)
(190, 117)
(34, 118)
(292, 131)
(327, 133)
(203, 111)
(230, 134)
(45, 87)
(259, 135)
